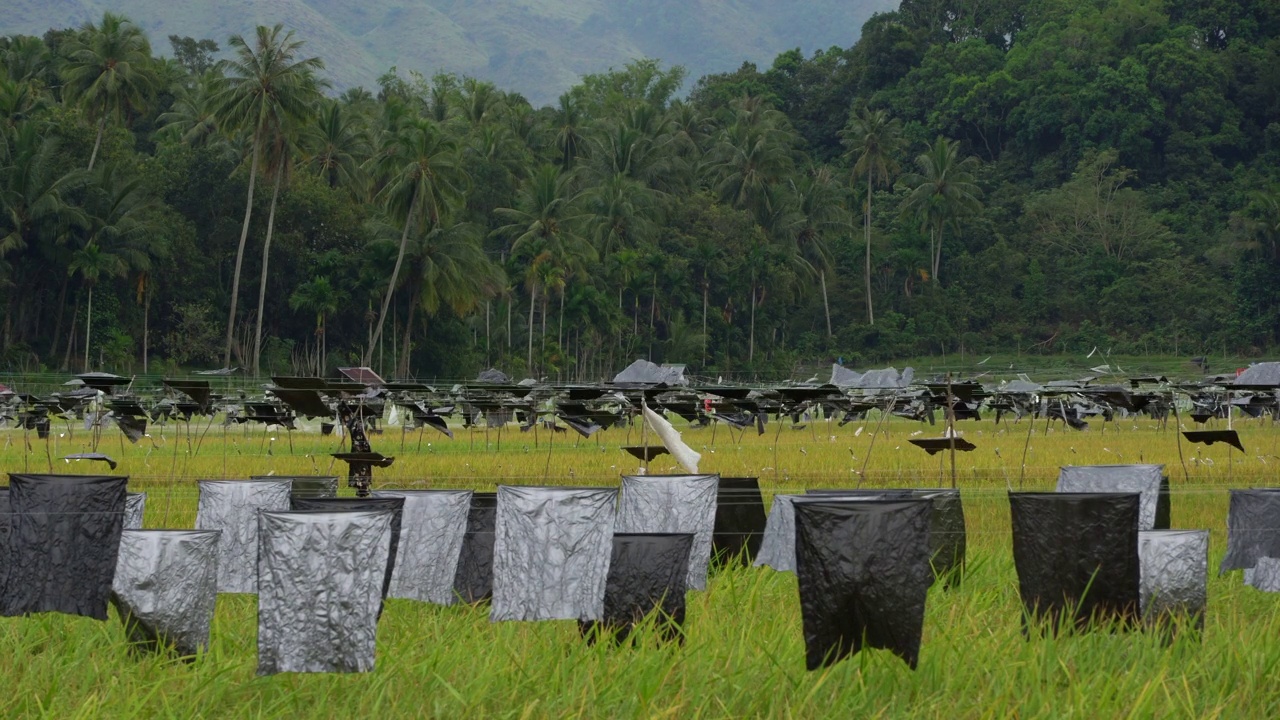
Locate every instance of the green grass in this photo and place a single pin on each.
(744, 656)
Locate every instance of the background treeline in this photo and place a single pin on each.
(1038, 177)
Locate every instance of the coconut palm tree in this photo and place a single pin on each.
(335, 144)
(267, 88)
(421, 175)
(319, 297)
(872, 138)
(192, 118)
(813, 211)
(108, 71)
(943, 190)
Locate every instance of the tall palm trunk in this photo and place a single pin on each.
(262, 284)
(705, 288)
(97, 143)
(402, 368)
(937, 256)
(871, 317)
(88, 327)
(146, 326)
(533, 303)
(395, 274)
(560, 332)
(244, 235)
(751, 346)
(71, 336)
(826, 305)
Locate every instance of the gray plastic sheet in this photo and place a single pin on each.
(320, 589)
(1175, 574)
(778, 546)
(1148, 481)
(232, 506)
(551, 552)
(673, 504)
(64, 536)
(166, 587)
(885, 378)
(1253, 528)
(135, 505)
(432, 528)
(1265, 575)
(1263, 373)
(645, 372)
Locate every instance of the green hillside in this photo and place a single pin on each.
(536, 47)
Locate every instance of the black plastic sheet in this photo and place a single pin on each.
(947, 535)
(1149, 481)
(1077, 553)
(864, 574)
(232, 506)
(4, 533)
(63, 543)
(551, 552)
(740, 521)
(320, 589)
(474, 580)
(432, 527)
(673, 504)
(307, 486)
(647, 573)
(1253, 528)
(166, 587)
(135, 506)
(1175, 576)
(357, 504)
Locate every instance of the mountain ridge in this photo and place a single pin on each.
(536, 47)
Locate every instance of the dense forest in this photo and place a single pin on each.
(1035, 176)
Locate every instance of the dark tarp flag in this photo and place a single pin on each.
(778, 546)
(431, 531)
(4, 533)
(740, 520)
(947, 535)
(647, 572)
(361, 504)
(135, 506)
(1253, 528)
(1078, 553)
(64, 536)
(864, 574)
(307, 486)
(232, 506)
(551, 552)
(474, 580)
(320, 577)
(673, 504)
(1175, 576)
(165, 588)
(1147, 480)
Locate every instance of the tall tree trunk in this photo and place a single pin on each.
(266, 258)
(71, 337)
(751, 346)
(146, 326)
(403, 367)
(937, 257)
(62, 310)
(705, 289)
(871, 317)
(560, 332)
(826, 305)
(488, 359)
(533, 303)
(395, 275)
(97, 143)
(324, 350)
(244, 235)
(543, 352)
(88, 328)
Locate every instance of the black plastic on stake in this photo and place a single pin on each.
(740, 521)
(473, 582)
(647, 574)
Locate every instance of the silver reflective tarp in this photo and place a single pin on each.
(778, 546)
(135, 504)
(165, 587)
(1174, 572)
(432, 527)
(648, 373)
(1146, 480)
(320, 589)
(232, 506)
(886, 378)
(1263, 373)
(1265, 575)
(551, 552)
(673, 504)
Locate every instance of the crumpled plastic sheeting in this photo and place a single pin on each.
(947, 534)
(358, 504)
(1265, 575)
(307, 486)
(431, 531)
(885, 378)
(740, 520)
(645, 372)
(4, 532)
(647, 572)
(673, 504)
(1263, 373)
(551, 552)
(864, 574)
(1077, 549)
(474, 580)
(1175, 574)
(320, 589)
(1253, 528)
(135, 506)
(232, 506)
(166, 587)
(1147, 480)
(778, 546)
(63, 541)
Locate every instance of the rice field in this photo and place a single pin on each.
(744, 654)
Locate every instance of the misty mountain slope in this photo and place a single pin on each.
(536, 47)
